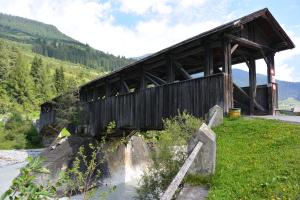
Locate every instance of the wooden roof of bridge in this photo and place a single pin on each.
(263, 18)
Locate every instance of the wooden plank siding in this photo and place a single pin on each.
(145, 109)
(46, 118)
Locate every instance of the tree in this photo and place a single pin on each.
(19, 83)
(59, 80)
(36, 67)
(3, 62)
(43, 85)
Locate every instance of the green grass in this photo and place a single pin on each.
(257, 159)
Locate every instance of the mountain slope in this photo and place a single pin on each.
(47, 40)
(14, 57)
(286, 89)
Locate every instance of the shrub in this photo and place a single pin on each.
(83, 176)
(168, 156)
(33, 137)
(19, 132)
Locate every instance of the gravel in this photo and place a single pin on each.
(9, 157)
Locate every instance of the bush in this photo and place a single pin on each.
(33, 138)
(18, 133)
(83, 176)
(168, 156)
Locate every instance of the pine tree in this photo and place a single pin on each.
(19, 84)
(36, 68)
(59, 80)
(41, 79)
(3, 62)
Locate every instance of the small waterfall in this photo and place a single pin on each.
(125, 166)
(129, 161)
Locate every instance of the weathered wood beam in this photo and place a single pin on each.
(107, 88)
(264, 56)
(243, 52)
(271, 67)
(248, 43)
(152, 80)
(246, 61)
(226, 56)
(257, 105)
(124, 88)
(170, 69)
(272, 94)
(156, 78)
(252, 83)
(143, 84)
(209, 61)
(196, 50)
(190, 52)
(155, 65)
(234, 48)
(184, 73)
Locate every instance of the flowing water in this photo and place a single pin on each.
(125, 167)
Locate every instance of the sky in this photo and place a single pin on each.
(133, 28)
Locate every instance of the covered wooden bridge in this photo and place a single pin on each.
(193, 75)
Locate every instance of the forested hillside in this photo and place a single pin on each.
(47, 40)
(27, 79)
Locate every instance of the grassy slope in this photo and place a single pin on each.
(71, 69)
(288, 103)
(257, 159)
(46, 39)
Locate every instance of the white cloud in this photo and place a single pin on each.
(192, 3)
(158, 24)
(285, 72)
(92, 22)
(141, 7)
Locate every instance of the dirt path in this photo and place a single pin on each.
(289, 119)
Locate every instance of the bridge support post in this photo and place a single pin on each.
(272, 95)
(226, 68)
(227, 56)
(252, 83)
